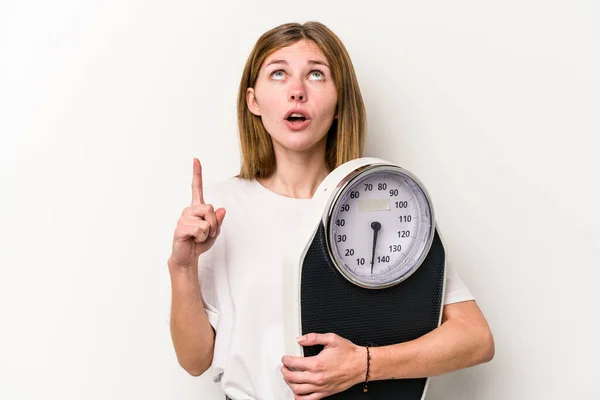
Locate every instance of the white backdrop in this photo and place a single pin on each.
(103, 105)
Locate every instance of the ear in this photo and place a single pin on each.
(251, 102)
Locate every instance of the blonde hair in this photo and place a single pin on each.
(346, 136)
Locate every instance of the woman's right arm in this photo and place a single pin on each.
(193, 336)
(197, 229)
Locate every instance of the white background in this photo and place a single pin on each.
(103, 105)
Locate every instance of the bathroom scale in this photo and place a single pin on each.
(368, 264)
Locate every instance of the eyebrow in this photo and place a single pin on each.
(318, 62)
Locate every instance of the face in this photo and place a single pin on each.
(295, 96)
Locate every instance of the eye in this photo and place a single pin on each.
(278, 75)
(316, 75)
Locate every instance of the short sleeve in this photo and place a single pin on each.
(209, 262)
(206, 276)
(456, 290)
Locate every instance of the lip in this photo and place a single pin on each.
(298, 126)
(297, 110)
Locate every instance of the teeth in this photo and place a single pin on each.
(296, 115)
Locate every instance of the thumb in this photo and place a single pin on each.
(220, 214)
(311, 339)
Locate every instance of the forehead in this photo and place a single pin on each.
(301, 51)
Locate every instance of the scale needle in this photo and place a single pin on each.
(376, 226)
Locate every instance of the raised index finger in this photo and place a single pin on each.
(197, 197)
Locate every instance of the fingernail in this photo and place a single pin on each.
(301, 338)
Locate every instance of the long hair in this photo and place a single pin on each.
(346, 136)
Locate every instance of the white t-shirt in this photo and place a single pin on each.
(240, 279)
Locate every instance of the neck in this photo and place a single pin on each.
(297, 175)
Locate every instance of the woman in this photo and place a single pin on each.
(300, 115)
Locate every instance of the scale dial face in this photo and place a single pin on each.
(380, 226)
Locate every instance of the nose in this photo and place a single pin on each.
(297, 91)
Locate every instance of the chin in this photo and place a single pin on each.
(299, 143)
(297, 140)
(298, 146)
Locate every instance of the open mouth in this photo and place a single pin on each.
(296, 117)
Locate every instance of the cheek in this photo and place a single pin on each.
(328, 105)
(328, 99)
(266, 95)
(269, 103)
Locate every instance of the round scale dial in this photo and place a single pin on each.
(380, 226)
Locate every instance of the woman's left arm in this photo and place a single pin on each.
(463, 339)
